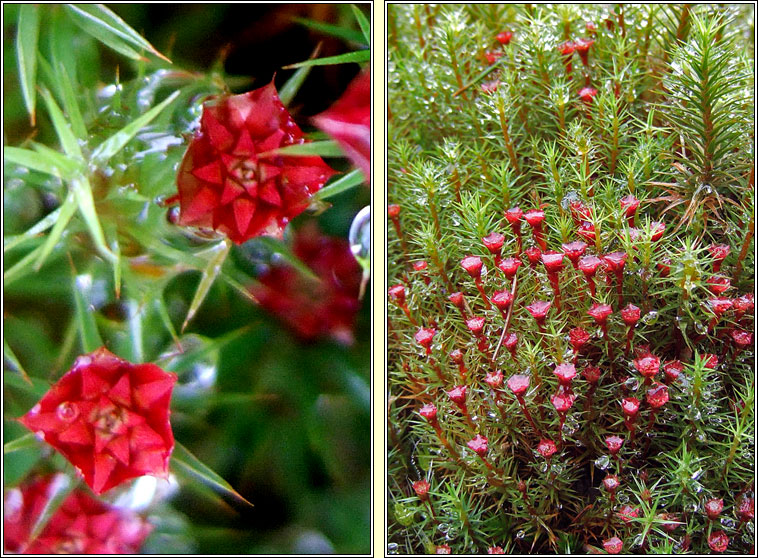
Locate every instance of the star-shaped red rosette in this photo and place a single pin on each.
(109, 418)
(326, 307)
(232, 178)
(81, 525)
(349, 122)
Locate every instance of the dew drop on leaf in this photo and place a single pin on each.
(603, 462)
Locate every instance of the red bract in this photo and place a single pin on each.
(574, 251)
(518, 384)
(718, 541)
(720, 305)
(614, 444)
(397, 293)
(475, 324)
(443, 549)
(588, 265)
(504, 37)
(565, 373)
(534, 255)
(672, 369)
(539, 309)
(657, 396)
(495, 550)
(502, 299)
(664, 266)
(349, 122)
(81, 525)
(457, 300)
(514, 216)
(647, 365)
(478, 445)
(494, 379)
(611, 483)
(743, 339)
(582, 47)
(591, 374)
(109, 418)
(587, 94)
(746, 509)
(420, 265)
(231, 178)
(456, 356)
(587, 231)
(546, 448)
(563, 401)
(742, 305)
(553, 261)
(671, 521)
(600, 313)
(718, 285)
(421, 488)
(472, 265)
(509, 342)
(424, 337)
(614, 545)
(658, 228)
(535, 217)
(615, 263)
(578, 337)
(711, 361)
(579, 211)
(509, 266)
(627, 513)
(326, 307)
(630, 314)
(494, 242)
(630, 406)
(393, 211)
(718, 252)
(713, 508)
(492, 56)
(629, 205)
(567, 50)
(458, 395)
(429, 412)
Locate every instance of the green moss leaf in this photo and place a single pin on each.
(26, 52)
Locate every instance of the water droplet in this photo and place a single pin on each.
(632, 383)
(520, 535)
(360, 235)
(67, 411)
(728, 522)
(392, 548)
(650, 318)
(603, 462)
